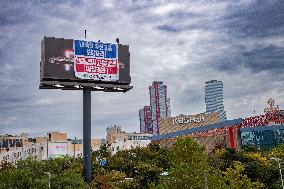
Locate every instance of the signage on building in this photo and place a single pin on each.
(188, 119)
(56, 149)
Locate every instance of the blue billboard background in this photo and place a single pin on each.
(95, 49)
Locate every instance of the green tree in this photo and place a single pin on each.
(236, 180)
(189, 165)
(111, 180)
(147, 173)
(277, 152)
(256, 165)
(31, 173)
(103, 152)
(142, 165)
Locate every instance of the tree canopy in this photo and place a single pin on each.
(185, 164)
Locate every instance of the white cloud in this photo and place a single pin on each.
(44, 101)
(8, 120)
(166, 9)
(183, 59)
(109, 4)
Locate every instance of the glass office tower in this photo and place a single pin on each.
(214, 98)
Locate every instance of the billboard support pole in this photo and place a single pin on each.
(87, 159)
(87, 135)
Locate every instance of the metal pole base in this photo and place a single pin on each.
(87, 158)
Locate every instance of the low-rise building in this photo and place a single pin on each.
(114, 133)
(54, 144)
(19, 147)
(22, 153)
(42, 141)
(75, 146)
(57, 137)
(119, 140)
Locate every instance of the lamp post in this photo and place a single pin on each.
(206, 181)
(279, 166)
(74, 149)
(48, 173)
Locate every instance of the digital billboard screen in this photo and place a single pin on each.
(96, 61)
(56, 149)
(85, 63)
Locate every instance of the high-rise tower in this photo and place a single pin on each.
(145, 120)
(160, 104)
(214, 98)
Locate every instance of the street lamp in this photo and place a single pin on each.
(48, 178)
(279, 166)
(206, 181)
(75, 142)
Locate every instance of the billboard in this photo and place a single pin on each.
(85, 64)
(96, 61)
(56, 149)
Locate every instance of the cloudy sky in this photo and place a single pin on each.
(183, 43)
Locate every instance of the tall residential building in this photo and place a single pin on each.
(145, 120)
(214, 98)
(160, 104)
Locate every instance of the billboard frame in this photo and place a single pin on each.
(81, 84)
(72, 85)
